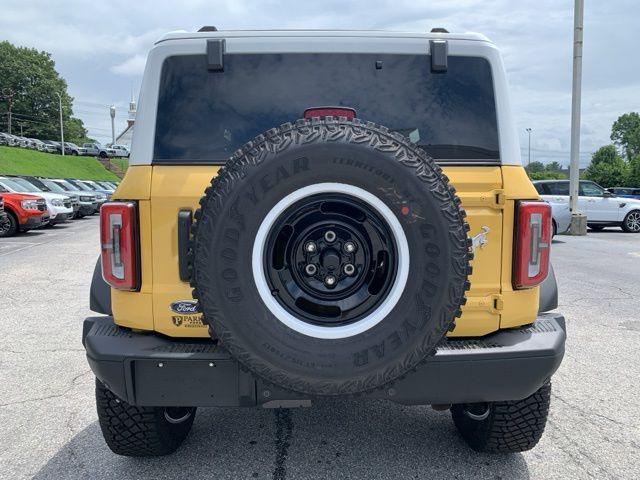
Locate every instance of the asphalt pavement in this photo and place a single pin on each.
(49, 427)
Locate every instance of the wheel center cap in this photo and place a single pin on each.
(330, 259)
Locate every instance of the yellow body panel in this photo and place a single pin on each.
(488, 195)
(174, 188)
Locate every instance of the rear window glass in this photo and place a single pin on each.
(204, 116)
(558, 188)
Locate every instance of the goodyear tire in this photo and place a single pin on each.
(380, 225)
(141, 431)
(504, 427)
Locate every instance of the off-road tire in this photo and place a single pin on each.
(227, 222)
(509, 427)
(9, 225)
(139, 431)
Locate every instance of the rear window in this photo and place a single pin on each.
(557, 188)
(204, 116)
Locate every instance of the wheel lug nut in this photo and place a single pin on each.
(310, 269)
(310, 247)
(329, 280)
(330, 236)
(349, 269)
(349, 247)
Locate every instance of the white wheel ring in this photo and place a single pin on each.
(318, 331)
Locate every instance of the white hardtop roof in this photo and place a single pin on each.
(183, 34)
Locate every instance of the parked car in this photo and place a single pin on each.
(120, 150)
(23, 212)
(625, 192)
(59, 206)
(88, 200)
(6, 139)
(51, 146)
(602, 208)
(3, 214)
(561, 217)
(97, 150)
(100, 197)
(98, 188)
(41, 186)
(330, 257)
(73, 149)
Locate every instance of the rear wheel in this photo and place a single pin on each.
(8, 225)
(631, 223)
(504, 427)
(141, 431)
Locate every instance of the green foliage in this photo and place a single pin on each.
(546, 175)
(607, 168)
(625, 133)
(535, 167)
(553, 167)
(32, 78)
(21, 161)
(633, 178)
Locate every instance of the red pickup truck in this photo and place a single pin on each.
(22, 212)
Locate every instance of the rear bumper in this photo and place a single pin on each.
(152, 370)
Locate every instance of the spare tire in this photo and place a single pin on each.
(330, 256)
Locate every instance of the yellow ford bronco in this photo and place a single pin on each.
(314, 214)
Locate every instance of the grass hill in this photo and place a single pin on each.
(22, 161)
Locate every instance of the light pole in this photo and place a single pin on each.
(61, 127)
(112, 110)
(529, 159)
(578, 220)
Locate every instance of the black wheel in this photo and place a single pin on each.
(631, 223)
(103, 154)
(596, 228)
(74, 153)
(141, 431)
(555, 228)
(8, 225)
(310, 235)
(504, 427)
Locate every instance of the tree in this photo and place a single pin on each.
(625, 133)
(535, 167)
(30, 77)
(633, 177)
(553, 167)
(546, 175)
(607, 167)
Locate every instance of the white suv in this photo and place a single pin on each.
(602, 208)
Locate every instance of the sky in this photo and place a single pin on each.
(100, 48)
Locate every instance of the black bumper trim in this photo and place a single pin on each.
(153, 370)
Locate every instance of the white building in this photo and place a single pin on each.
(124, 138)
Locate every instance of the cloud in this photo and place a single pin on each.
(131, 66)
(100, 48)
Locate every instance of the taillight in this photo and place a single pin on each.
(119, 245)
(532, 243)
(350, 113)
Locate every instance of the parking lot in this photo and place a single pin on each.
(49, 423)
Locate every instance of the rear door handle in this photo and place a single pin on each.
(184, 236)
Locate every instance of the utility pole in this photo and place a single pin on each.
(578, 220)
(529, 160)
(112, 110)
(61, 126)
(7, 94)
